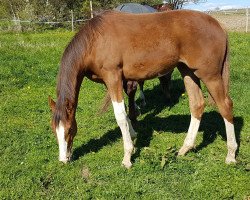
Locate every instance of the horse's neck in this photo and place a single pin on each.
(68, 86)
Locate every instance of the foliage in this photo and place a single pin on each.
(28, 151)
(33, 15)
(59, 10)
(177, 4)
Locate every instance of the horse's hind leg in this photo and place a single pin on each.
(130, 88)
(113, 82)
(216, 88)
(196, 103)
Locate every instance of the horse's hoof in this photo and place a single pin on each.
(184, 150)
(230, 160)
(127, 165)
(65, 160)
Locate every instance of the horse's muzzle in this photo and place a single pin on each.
(67, 158)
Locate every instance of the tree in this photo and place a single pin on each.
(60, 10)
(177, 4)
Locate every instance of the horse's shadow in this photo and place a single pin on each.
(94, 145)
(156, 99)
(111, 136)
(211, 124)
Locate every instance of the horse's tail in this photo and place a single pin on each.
(105, 104)
(224, 73)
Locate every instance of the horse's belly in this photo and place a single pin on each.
(142, 72)
(149, 68)
(151, 61)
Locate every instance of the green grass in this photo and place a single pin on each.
(29, 166)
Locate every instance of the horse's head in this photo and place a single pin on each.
(64, 127)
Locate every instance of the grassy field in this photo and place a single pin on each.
(29, 166)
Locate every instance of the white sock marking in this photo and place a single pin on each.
(231, 142)
(61, 142)
(126, 128)
(192, 132)
(230, 133)
(119, 110)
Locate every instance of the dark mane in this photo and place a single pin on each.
(71, 69)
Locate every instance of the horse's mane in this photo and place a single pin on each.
(71, 62)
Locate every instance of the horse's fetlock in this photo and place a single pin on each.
(232, 147)
(121, 120)
(129, 149)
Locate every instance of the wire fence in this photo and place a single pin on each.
(30, 25)
(232, 20)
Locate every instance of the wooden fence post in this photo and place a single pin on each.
(91, 8)
(72, 21)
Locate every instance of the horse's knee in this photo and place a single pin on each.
(198, 108)
(226, 109)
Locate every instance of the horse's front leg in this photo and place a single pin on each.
(142, 96)
(113, 81)
(165, 84)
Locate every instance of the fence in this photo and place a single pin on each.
(232, 20)
(32, 25)
(27, 25)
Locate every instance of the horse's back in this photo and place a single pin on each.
(178, 23)
(149, 45)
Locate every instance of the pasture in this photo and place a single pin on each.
(29, 152)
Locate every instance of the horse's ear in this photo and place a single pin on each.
(52, 104)
(69, 107)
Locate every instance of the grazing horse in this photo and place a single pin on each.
(116, 46)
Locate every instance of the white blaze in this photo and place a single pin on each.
(61, 142)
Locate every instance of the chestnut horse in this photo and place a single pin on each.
(116, 46)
